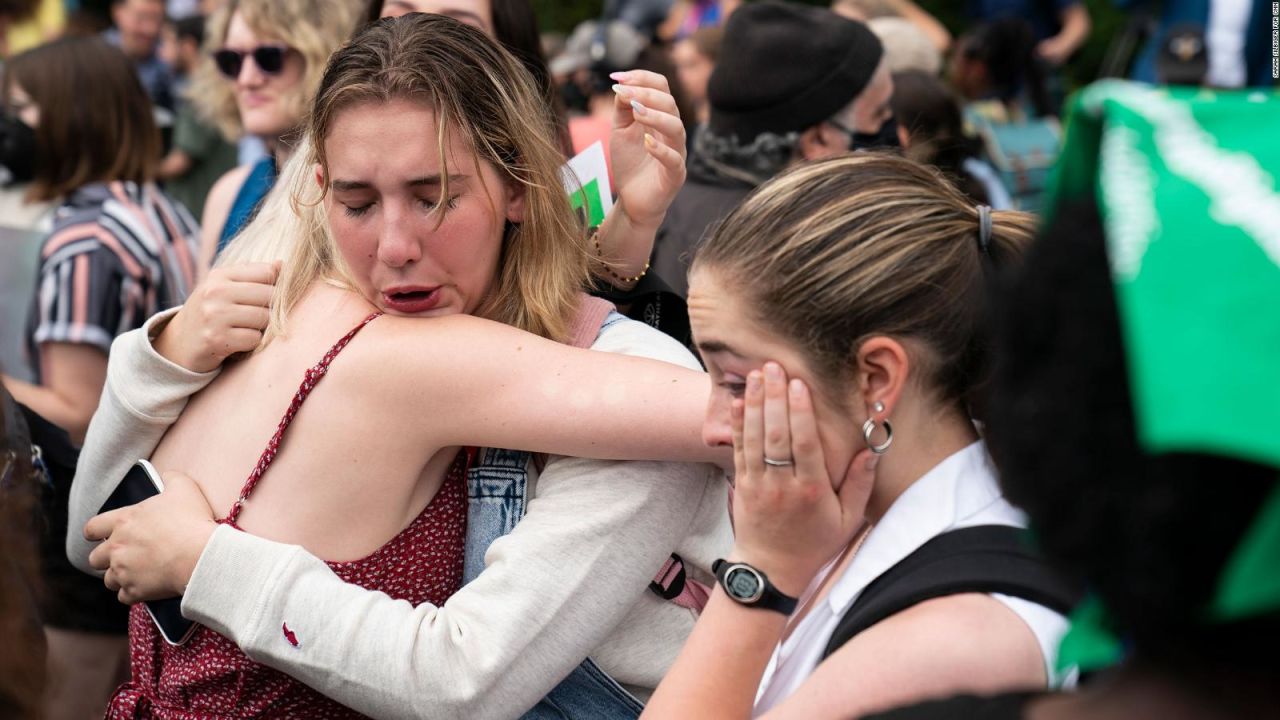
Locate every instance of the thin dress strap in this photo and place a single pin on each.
(309, 381)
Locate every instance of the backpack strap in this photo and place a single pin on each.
(982, 559)
(673, 584)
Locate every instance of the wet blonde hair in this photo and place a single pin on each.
(312, 28)
(483, 95)
(834, 252)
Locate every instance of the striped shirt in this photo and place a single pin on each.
(119, 253)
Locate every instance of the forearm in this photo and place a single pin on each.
(1075, 28)
(622, 247)
(719, 669)
(936, 31)
(552, 591)
(144, 395)
(65, 412)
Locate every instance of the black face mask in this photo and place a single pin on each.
(17, 150)
(885, 137)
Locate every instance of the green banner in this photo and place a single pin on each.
(1186, 181)
(1187, 187)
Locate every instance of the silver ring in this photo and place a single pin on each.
(778, 463)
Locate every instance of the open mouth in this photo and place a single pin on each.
(411, 300)
(411, 296)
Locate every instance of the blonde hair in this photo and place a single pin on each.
(478, 91)
(312, 28)
(833, 252)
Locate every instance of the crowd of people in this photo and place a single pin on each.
(900, 379)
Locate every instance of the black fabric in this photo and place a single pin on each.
(653, 303)
(71, 600)
(963, 707)
(982, 559)
(785, 67)
(697, 208)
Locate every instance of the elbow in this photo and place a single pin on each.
(77, 424)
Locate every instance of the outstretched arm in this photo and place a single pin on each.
(511, 389)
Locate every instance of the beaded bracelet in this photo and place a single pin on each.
(595, 238)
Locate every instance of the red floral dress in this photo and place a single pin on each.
(209, 678)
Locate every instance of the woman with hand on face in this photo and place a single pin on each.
(388, 224)
(259, 80)
(840, 312)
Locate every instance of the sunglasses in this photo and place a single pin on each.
(268, 58)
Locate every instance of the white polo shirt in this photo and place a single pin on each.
(961, 491)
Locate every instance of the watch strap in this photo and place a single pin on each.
(770, 597)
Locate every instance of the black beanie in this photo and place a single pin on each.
(785, 68)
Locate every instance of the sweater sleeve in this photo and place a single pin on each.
(552, 590)
(144, 395)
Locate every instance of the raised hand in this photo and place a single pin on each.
(647, 147)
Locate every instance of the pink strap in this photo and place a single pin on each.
(309, 380)
(592, 312)
(688, 593)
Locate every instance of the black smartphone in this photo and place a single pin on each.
(141, 482)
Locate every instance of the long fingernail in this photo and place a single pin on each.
(619, 76)
(638, 108)
(622, 90)
(649, 142)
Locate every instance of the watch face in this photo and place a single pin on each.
(743, 584)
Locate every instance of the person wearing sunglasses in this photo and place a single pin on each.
(263, 70)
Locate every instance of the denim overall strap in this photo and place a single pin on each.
(497, 493)
(497, 487)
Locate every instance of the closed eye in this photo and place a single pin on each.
(736, 389)
(429, 204)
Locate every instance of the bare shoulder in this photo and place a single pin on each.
(969, 643)
(396, 352)
(972, 640)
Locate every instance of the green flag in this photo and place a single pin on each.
(1187, 184)
(1188, 192)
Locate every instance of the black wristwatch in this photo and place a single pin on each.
(748, 586)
